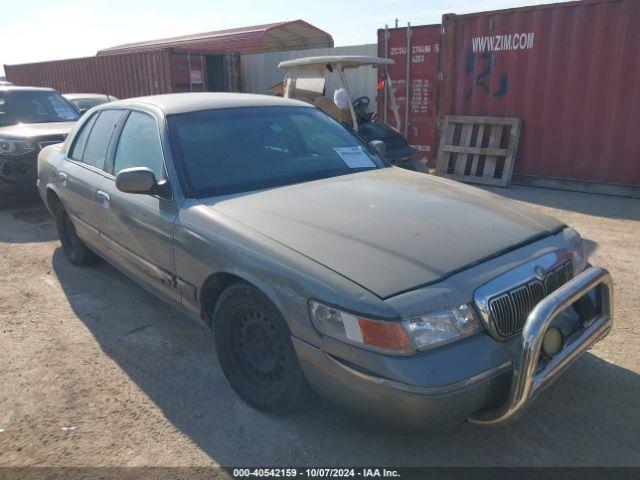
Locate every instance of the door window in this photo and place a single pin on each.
(95, 151)
(139, 145)
(81, 139)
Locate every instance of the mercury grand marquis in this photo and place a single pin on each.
(408, 297)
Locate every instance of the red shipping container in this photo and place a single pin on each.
(570, 71)
(202, 62)
(134, 74)
(416, 87)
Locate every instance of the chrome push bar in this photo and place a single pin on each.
(527, 382)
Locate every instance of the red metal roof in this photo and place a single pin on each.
(290, 35)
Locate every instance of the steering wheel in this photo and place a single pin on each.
(361, 102)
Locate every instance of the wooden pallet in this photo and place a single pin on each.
(471, 149)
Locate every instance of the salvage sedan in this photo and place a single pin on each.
(408, 297)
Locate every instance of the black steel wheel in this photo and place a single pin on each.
(254, 348)
(74, 249)
(257, 347)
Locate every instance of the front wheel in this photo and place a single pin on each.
(254, 348)
(74, 248)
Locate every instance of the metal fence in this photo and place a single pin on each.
(260, 71)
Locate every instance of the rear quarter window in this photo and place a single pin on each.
(95, 150)
(81, 139)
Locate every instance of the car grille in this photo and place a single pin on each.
(509, 311)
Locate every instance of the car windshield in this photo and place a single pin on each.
(242, 149)
(87, 103)
(32, 106)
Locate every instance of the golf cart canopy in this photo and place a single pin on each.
(305, 80)
(347, 61)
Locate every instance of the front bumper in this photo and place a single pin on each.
(18, 175)
(395, 403)
(493, 397)
(529, 377)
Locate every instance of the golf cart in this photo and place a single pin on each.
(305, 80)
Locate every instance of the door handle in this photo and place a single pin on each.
(103, 198)
(63, 178)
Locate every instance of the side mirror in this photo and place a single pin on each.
(379, 146)
(137, 180)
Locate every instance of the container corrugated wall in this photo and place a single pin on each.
(570, 71)
(127, 75)
(260, 71)
(232, 72)
(414, 74)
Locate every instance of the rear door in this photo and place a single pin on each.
(138, 229)
(83, 174)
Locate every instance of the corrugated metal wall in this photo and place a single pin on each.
(416, 53)
(260, 71)
(571, 71)
(124, 76)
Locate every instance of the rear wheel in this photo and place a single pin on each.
(74, 249)
(254, 348)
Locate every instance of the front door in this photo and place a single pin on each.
(138, 229)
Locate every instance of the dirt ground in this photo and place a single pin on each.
(94, 371)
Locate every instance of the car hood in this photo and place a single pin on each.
(389, 230)
(31, 130)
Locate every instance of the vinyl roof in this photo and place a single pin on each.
(289, 35)
(173, 103)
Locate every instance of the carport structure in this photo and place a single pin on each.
(271, 37)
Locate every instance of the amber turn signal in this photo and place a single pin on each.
(389, 335)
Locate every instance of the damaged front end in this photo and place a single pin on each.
(19, 166)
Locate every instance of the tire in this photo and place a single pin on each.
(74, 248)
(254, 348)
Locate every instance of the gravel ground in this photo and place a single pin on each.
(94, 371)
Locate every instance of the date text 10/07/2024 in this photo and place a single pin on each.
(316, 472)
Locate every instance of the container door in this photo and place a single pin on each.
(223, 72)
(414, 77)
(232, 72)
(215, 73)
(187, 72)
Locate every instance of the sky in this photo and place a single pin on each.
(39, 30)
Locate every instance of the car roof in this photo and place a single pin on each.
(75, 96)
(173, 103)
(13, 88)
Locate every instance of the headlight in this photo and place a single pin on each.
(15, 147)
(396, 337)
(385, 336)
(578, 254)
(435, 328)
